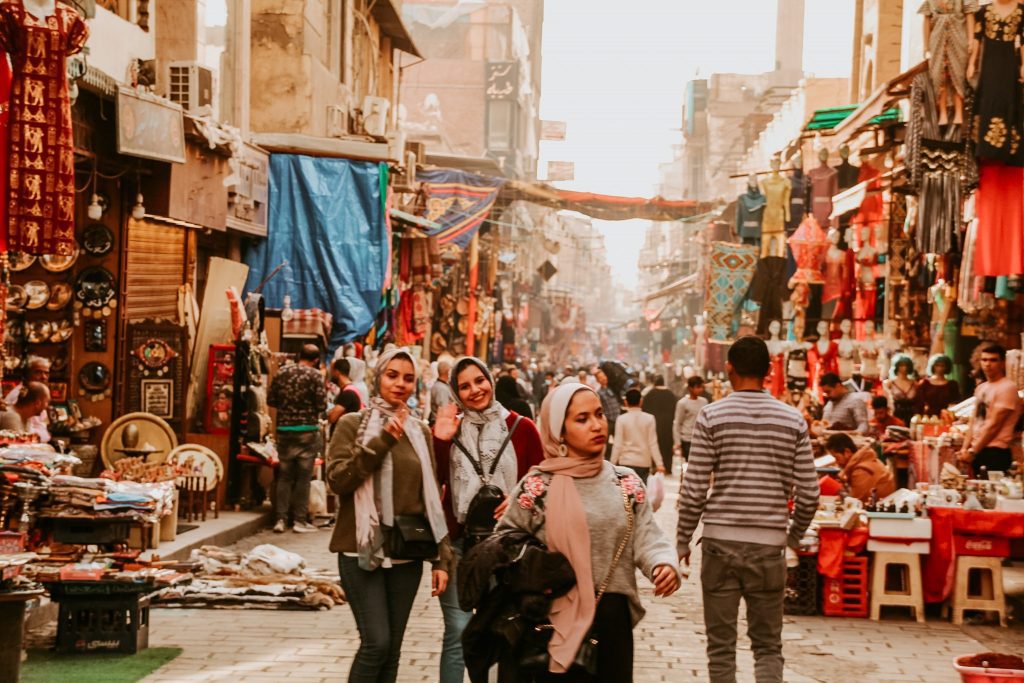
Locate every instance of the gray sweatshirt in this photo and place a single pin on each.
(606, 521)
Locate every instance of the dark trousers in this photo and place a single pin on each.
(684, 446)
(643, 473)
(297, 452)
(381, 601)
(998, 459)
(731, 570)
(613, 626)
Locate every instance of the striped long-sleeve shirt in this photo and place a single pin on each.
(760, 453)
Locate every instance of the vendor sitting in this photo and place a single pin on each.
(882, 417)
(862, 471)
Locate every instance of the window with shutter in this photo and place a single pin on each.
(155, 260)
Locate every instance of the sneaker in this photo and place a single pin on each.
(304, 528)
(279, 526)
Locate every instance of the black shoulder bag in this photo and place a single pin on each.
(480, 520)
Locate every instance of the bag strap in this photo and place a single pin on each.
(622, 546)
(497, 458)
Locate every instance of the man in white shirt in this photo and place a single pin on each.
(687, 409)
(636, 439)
(38, 370)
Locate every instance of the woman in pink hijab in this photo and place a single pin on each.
(575, 503)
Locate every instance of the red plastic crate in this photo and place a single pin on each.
(847, 596)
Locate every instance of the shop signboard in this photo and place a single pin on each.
(561, 170)
(552, 131)
(247, 198)
(502, 80)
(149, 127)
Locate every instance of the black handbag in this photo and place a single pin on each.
(586, 656)
(480, 520)
(411, 538)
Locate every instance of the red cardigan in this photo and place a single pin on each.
(529, 452)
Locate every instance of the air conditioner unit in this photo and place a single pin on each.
(190, 85)
(375, 115)
(337, 121)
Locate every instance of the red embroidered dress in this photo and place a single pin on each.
(41, 191)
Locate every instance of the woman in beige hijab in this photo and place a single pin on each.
(576, 503)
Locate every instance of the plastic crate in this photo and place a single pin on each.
(71, 589)
(847, 596)
(802, 587)
(96, 624)
(90, 531)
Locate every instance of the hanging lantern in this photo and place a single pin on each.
(809, 244)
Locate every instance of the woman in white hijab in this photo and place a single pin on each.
(390, 518)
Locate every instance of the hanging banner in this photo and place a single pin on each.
(460, 202)
(561, 170)
(552, 131)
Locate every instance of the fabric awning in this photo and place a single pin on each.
(881, 100)
(825, 120)
(682, 284)
(390, 20)
(606, 207)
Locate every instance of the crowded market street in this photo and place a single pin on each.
(236, 645)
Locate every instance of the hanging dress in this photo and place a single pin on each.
(824, 186)
(999, 110)
(41, 191)
(749, 211)
(948, 42)
(776, 190)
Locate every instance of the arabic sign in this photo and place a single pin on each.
(149, 127)
(552, 130)
(502, 79)
(561, 170)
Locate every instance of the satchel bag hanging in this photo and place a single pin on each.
(411, 538)
(480, 520)
(586, 656)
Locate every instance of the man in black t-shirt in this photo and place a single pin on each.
(348, 400)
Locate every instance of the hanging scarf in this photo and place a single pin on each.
(567, 530)
(481, 432)
(373, 500)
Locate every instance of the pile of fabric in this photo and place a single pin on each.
(71, 496)
(266, 577)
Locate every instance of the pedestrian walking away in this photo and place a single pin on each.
(636, 439)
(687, 409)
(573, 503)
(390, 517)
(440, 391)
(610, 403)
(299, 393)
(486, 446)
(661, 403)
(759, 451)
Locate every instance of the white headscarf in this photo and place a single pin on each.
(481, 433)
(374, 499)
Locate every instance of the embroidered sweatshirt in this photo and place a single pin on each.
(606, 522)
(759, 452)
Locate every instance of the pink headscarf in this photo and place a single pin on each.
(567, 531)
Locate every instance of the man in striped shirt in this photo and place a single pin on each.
(759, 451)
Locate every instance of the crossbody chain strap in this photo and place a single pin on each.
(622, 546)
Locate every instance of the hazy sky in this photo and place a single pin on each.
(616, 73)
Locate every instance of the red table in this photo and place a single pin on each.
(940, 563)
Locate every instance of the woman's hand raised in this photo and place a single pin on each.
(396, 425)
(446, 426)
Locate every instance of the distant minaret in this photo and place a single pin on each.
(789, 41)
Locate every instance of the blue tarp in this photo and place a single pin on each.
(327, 221)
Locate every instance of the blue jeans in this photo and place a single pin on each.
(381, 601)
(453, 668)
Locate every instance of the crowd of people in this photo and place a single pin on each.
(525, 493)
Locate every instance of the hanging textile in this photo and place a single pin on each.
(809, 245)
(327, 221)
(799, 187)
(824, 185)
(999, 246)
(730, 272)
(769, 290)
(459, 201)
(5, 113)
(40, 145)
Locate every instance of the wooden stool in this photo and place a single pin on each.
(989, 597)
(908, 594)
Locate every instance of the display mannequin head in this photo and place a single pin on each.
(844, 152)
(776, 164)
(833, 237)
(869, 329)
(822, 329)
(752, 181)
(774, 327)
(823, 155)
(845, 325)
(798, 161)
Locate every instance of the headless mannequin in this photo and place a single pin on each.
(944, 85)
(869, 352)
(776, 213)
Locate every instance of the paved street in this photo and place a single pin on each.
(254, 645)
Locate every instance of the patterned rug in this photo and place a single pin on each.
(731, 270)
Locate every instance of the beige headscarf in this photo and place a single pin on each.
(566, 526)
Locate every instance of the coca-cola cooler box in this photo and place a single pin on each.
(981, 546)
